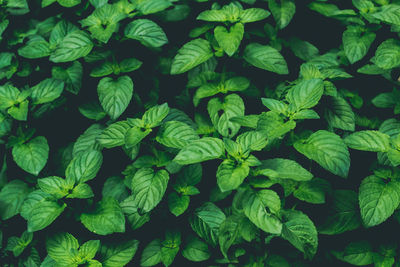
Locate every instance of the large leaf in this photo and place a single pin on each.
(283, 12)
(389, 14)
(46, 91)
(254, 206)
(387, 56)
(378, 199)
(230, 176)
(148, 188)
(190, 55)
(265, 57)
(196, 250)
(107, 218)
(114, 134)
(118, 254)
(32, 156)
(84, 166)
(12, 195)
(36, 47)
(43, 214)
(230, 40)
(279, 168)
(74, 45)
(115, 95)
(147, 32)
(206, 221)
(356, 43)
(176, 134)
(300, 231)
(358, 253)
(340, 114)
(306, 94)
(368, 141)
(204, 149)
(328, 150)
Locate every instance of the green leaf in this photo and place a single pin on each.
(343, 214)
(265, 57)
(254, 205)
(61, 248)
(43, 214)
(253, 15)
(176, 134)
(389, 14)
(12, 195)
(8, 96)
(191, 55)
(252, 141)
(306, 93)
(71, 76)
(232, 106)
(312, 191)
(92, 110)
(81, 191)
(134, 135)
(19, 112)
(47, 91)
(55, 186)
(115, 95)
(88, 140)
(152, 6)
(196, 250)
(107, 218)
(74, 45)
(178, 204)
(89, 249)
(36, 47)
(300, 231)
(230, 40)
(273, 125)
(340, 114)
(32, 156)
(170, 247)
(155, 115)
(206, 148)
(282, 12)
(387, 55)
(118, 254)
(328, 150)
(147, 32)
(378, 199)
(279, 168)
(18, 245)
(151, 254)
(275, 105)
(356, 43)
(69, 3)
(206, 221)
(358, 253)
(114, 134)
(368, 140)
(148, 188)
(84, 166)
(230, 176)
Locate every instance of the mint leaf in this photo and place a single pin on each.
(147, 32)
(265, 57)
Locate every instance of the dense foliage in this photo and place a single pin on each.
(199, 132)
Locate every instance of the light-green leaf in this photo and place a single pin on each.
(46, 91)
(283, 11)
(147, 32)
(196, 250)
(300, 231)
(155, 115)
(36, 47)
(253, 15)
(206, 148)
(151, 254)
(328, 150)
(43, 214)
(356, 43)
(176, 134)
(12, 195)
(206, 221)
(84, 166)
(279, 168)
(148, 188)
(265, 57)
(114, 134)
(378, 199)
(120, 254)
(32, 156)
(74, 45)
(115, 95)
(55, 186)
(368, 140)
(306, 93)
(388, 13)
(61, 246)
(230, 40)
(190, 55)
(230, 176)
(254, 206)
(358, 253)
(106, 219)
(387, 55)
(340, 114)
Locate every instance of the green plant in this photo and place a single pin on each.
(213, 133)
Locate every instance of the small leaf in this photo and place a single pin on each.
(388, 13)
(178, 204)
(176, 134)
(74, 45)
(230, 40)
(12, 195)
(84, 166)
(119, 254)
(387, 56)
(230, 176)
(356, 43)
(253, 15)
(36, 47)
(196, 250)
(279, 168)
(306, 93)
(151, 254)
(43, 214)
(283, 12)
(47, 91)
(155, 115)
